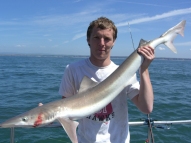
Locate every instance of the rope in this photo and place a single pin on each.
(150, 128)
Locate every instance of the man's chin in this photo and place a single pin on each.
(102, 57)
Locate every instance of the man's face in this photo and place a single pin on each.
(101, 41)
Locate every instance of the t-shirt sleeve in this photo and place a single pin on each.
(67, 83)
(133, 87)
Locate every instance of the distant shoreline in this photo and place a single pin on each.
(76, 56)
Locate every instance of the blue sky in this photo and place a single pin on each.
(59, 26)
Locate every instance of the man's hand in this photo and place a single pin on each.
(148, 53)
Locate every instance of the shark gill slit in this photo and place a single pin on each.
(38, 120)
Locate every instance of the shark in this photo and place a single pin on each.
(91, 96)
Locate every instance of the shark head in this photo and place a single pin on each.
(32, 118)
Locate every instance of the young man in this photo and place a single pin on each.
(111, 123)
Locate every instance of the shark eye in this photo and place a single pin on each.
(24, 119)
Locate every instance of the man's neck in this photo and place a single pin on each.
(100, 62)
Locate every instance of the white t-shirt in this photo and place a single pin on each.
(110, 125)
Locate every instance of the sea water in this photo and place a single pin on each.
(26, 80)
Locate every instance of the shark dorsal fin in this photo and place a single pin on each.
(142, 42)
(86, 84)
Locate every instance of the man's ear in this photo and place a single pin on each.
(88, 42)
(113, 44)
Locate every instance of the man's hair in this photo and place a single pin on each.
(102, 23)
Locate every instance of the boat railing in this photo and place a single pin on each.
(153, 123)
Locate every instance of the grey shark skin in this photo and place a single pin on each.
(91, 97)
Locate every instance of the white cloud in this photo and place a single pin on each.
(20, 46)
(183, 44)
(77, 36)
(73, 19)
(46, 35)
(161, 48)
(139, 3)
(65, 42)
(77, 1)
(55, 46)
(156, 17)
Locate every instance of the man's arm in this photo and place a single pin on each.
(144, 100)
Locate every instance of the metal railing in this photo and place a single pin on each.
(157, 124)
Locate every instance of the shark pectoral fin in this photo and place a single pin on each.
(70, 128)
(86, 84)
(170, 46)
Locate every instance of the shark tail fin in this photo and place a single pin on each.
(172, 33)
